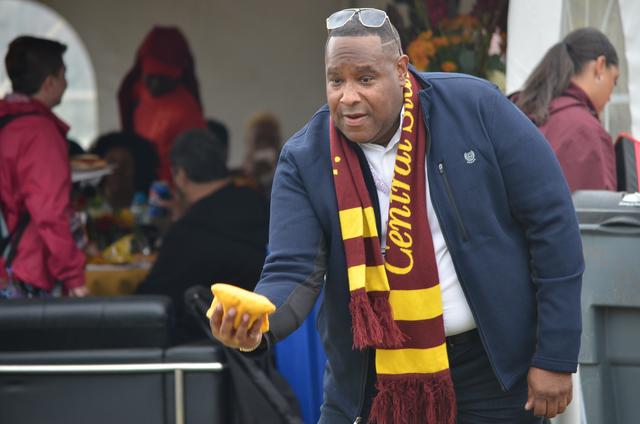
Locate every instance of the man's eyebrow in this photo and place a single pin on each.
(332, 70)
(366, 68)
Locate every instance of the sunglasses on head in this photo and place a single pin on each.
(372, 18)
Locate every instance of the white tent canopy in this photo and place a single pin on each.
(630, 13)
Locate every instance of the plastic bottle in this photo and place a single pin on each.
(139, 209)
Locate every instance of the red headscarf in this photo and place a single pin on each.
(164, 51)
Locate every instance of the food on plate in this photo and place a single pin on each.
(119, 252)
(86, 162)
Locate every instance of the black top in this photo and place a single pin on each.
(221, 239)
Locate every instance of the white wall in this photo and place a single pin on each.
(251, 55)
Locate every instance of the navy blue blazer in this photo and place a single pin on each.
(506, 214)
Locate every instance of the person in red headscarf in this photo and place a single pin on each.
(159, 97)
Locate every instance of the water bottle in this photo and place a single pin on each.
(139, 209)
(158, 192)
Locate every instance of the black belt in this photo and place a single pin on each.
(466, 337)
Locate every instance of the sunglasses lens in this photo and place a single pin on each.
(372, 17)
(339, 18)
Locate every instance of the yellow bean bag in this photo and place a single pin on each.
(244, 301)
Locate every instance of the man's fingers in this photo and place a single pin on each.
(254, 331)
(549, 392)
(216, 320)
(255, 334)
(248, 337)
(562, 404)
(529, 405)
(226, 328)
(245, 336)
(552, 408)
(540, 408)
(243, 328)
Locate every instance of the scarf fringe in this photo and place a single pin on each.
(373, 324)
(392, 337)
(427, 399)
(366, 328)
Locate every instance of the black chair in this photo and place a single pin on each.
(105, 360)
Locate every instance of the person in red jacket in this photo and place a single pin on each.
(35, 176)
(564, 95)
(159, 97)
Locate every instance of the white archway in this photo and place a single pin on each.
(79, 104)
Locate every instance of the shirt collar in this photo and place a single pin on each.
(395, 139)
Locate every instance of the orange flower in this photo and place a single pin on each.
(426, 35)
(467, 35)
(468, 21)
(440, 42)
(419, 46)
(450, 24)
(417, 51)
(449, 66)
(420, 63)
(430, 49)
(455, 40)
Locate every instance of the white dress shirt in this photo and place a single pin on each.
(457, 314)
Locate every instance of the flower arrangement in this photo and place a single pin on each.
(451, 49)
(438, 38)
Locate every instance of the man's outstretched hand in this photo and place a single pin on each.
(549, 392)
(244, 337)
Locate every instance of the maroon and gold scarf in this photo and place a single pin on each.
(396, 305)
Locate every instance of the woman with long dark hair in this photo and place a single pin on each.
(564, 96)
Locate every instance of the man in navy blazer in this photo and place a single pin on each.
(504, 230)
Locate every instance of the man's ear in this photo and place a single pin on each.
(46, 84)
(402, 67)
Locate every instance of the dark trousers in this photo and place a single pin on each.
(479, 397)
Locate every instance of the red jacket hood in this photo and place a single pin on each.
(17, 104)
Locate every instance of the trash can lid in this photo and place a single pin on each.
(603, 207)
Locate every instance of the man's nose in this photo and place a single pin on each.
(350, 94)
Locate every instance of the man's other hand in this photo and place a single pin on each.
(244, 337)
(549, 392)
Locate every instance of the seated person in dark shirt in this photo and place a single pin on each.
(221, 237)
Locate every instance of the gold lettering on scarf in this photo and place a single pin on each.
(408, 127)
(408, 103)
(397, 185)
(401, 193)
(408, 91)
(403, 158)
(402, 198)
(401, 270)
(401, 239)
(395, 222)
